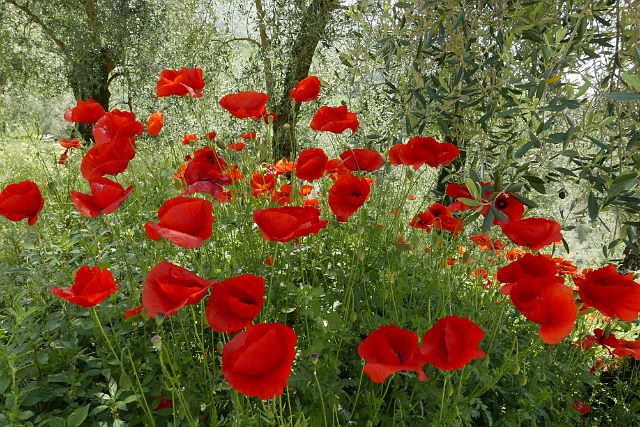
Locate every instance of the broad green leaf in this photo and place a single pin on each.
(624, 96)
(78, 416)
(632, 80)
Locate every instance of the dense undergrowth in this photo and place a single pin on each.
(62, 364)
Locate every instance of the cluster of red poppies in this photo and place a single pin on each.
(534, 283)
(450, 344)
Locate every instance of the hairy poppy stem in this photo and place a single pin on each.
(104, 335)
(324, 413)
(353, 409)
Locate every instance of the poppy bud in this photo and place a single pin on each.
(156, 342)
(220, 145)
(286, 126)
(449, 389)
(354, 316)
(523, 380)
(410, 174)
(516, 369)
(314, 358)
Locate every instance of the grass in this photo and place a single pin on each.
(65, 365)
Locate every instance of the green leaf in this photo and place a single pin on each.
(622, 183)
(473, 188)
(632, 80)
(488, 221)
(469, 202)
(624, 96)
(592, 206)
(56, 422)
(78, 416)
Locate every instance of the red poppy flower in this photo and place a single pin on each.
(118, 127)
(210, 135)
(547, 302)
(307, 89)
(391, 349)
(261, 184)
(347, 195)
(362, 159)
(534, 233)
(269, 118)
(394, 154)
(565, 266)
(206, 165)
(508, 205)
(334, 119)
(452, 343)
(456, 191)
(613, 294)
(243, 105)
(248, 136)
(180, 82)
(233, 173)
(305, 190)
(105, 159)
(169, 287)
(599, 337)
(443, 220)
(90, 287)
(311, 164)
(257, 362)
(106, 196)
(288, 223)
(283, 166)
(312, 202)
(235, 302)
(63, 157)
(269, 261)
(207, 187)
(581, 408)
(164, 403)
(184, 221)
(21, 200)
(527, 267)
(423, 221)
(238, 146)
(188, 139)
(282, 196)
(628, 348)
(84, 112)
(420, 150)
(155, 123)
(132, 312)
(69, 143)
(483, 241)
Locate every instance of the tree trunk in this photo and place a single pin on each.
(90, 79)
(452, 169)
(312, 27)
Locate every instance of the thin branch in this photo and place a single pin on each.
(240, 39)
(266, 46)
(38, 21)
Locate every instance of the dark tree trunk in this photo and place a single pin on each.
(452, 169)
(90, 79)
(312, 28)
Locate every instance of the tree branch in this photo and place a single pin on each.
(38, 21)
(266, 47)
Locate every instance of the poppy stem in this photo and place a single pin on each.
(324, 413)
(353, 409)
(104, 335)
